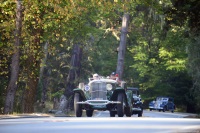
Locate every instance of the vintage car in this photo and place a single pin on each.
(162, 104)
(103, 94)
(137, 105)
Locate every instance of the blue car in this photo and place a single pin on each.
(162, 104)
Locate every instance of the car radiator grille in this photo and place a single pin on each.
(98, 91)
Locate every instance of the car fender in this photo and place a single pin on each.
(80, 91)
(116, 92)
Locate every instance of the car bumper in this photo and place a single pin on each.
(156, 108)
(99, 102)
(136, 109)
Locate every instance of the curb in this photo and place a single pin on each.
(24, 116)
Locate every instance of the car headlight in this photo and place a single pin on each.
(109, 87)
(87, 88)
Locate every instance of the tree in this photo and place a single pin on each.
(176, 15)
(74, 72)
(159, 56)
(122, 46)
(12, 87)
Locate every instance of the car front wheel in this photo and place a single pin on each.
(164, 109)
(128, 111)
(120, 107)
(140, 114)
(77, 107)
(89, 113)
(112, 113)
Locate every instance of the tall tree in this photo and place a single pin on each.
(74, 71)
(31, 50)
(122, 45)
(12, 87)
(34, 54)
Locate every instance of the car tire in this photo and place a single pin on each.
(128, 111)
(89, 113)
(140, 114)
(120, 107)
(164, 109)
(77, 107)
(112, 113)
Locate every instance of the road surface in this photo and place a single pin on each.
(101, 123)
(152, 114)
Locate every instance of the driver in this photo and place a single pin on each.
(95, 76)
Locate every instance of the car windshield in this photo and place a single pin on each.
(165, 99)
(102, 83)
(134, 92)
(164, 102)
(162, 99)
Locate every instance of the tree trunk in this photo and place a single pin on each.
(12, 86)
(42, 79)
(74, 73)
(33, 68)
(122, 46)
(30, 95)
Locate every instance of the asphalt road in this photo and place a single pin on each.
(151, 122)
(152, 114)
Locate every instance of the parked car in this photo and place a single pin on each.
(162, 104)
(137, 105)
(103, 94)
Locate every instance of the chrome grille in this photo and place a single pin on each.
(98, 91)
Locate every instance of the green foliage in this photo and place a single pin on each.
(3, 85)
(103, 55)
(58, 94)
(158, 64)
(194, 67)
(176, 16)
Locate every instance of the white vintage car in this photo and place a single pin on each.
(102, 94)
